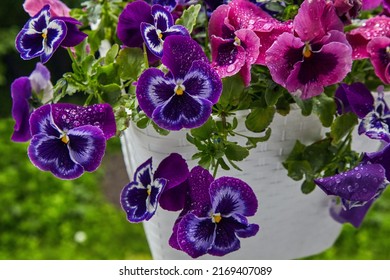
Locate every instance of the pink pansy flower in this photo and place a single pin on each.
(240, 34)
(379, 52)
(316, 55)
(57, 8)
(378, 26)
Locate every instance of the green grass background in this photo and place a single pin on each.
(41, 216)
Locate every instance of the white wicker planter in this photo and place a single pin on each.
(292, 225)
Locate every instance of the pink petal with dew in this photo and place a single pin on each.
(57, 8)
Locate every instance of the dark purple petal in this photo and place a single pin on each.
(167, 4)
(202, 81)
(226, 240)
(232, 196)
(182, 111)
(354, 98)
(179, 54)
(198, 193)
(128, 29)
(87, 145)
(174, 168)
(41, 122)
(381, 157)
(354, 216)
(144, 173)
(51, 154)
(68, 116)
(378, 49)
(162, 18)
(21, 93)
(73, 35)
(315, 19)
(359, 184)
(152, 40)
(153, 89)
(133, 202)
(195, 235)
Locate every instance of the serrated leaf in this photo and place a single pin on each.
(189, 16)
(131, 63)
(86, 64)
(325, 107)
(235, 152)
(318, 154)
(296, 169)
(232, 89)
(255, 140)
(111, 54)
(111, 93)
(205, 131)
(259, 119)
(341, 126)
(108, 74)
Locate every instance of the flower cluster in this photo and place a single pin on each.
(188, 64)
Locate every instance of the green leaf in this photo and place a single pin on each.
(232, 89)
(235, 152)
(342, 126)
(305, 105)
(108, 74)
(259, 119)
(111, 54)
(255, 140)
(86, 64)
(205, 161)
(308, 186)
(111, 93)
(131, 63)
(189, 16)
(143, 122)
(296, 169)
(223, 164)
(205, 131)
(297, 152)
(325, 107)
(318, 154)
(160, 130)
(272, 95)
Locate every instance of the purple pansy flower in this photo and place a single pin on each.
(140, 198)
(169, 5)
(378, 26)
(215, 215)
(379, 52)
(22, 91)
(358, 188)
(316, 55)
(155, 34)
(68, 139)
(184, 97)
(42, 35)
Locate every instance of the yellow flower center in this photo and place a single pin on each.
(179, 89)
(148, 191)
(44, 34)
(216, 218)
(65, 139)
(388, 50)
(307, 52)
(237, 41)
(159, 34)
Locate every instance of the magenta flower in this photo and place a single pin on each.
(379, 52)
(23, 90)
(347, 9)
(240, 33)
(42, 35)
(140, 198)
(57, 8)
(378, 26)
(184, 97)
(215, 215)
(358, 188)
(316, 55)
(68, 139)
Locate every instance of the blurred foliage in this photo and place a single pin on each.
(42, 217)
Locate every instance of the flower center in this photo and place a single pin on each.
(307, 52)
(388, 50)
(65, 139)
(179, 89)
(237, 41)
(216, 218)
(148, 190)
(159, 34)
(44, 33)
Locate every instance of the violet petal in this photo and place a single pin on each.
(225, 240)
(73, 35)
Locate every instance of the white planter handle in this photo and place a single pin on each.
(292, 224)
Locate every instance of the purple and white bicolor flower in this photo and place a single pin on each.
(358, 188)
(23, 91)
(215, 215)
(68, 139)
(374, 114)
(167, 187)
(155, 34)
(169, 5)
(184, 97)
(315, 55)
(42, 35)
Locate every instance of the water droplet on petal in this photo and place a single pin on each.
(231, 68)
(358, 175)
